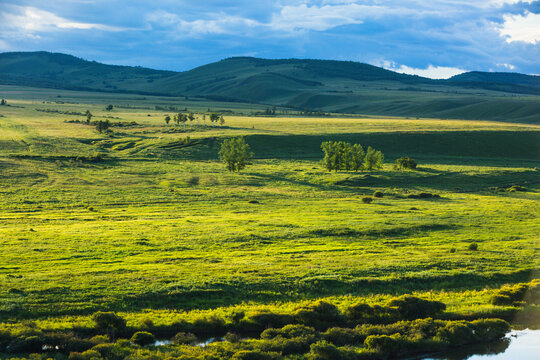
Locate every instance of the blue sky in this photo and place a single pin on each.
(435, 38)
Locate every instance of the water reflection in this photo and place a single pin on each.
(519, 345)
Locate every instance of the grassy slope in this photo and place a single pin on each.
(345, 87)
(132, 233)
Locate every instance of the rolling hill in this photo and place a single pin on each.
(322, 85)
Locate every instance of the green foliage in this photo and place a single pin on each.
(109, 322)
(473, 247)
(235, 152)
(374, 159)
(324, 350)
(405, 163)
(319, 315)
(143, 338)
(102, 126)
(339, 155)
(367, 199)
(411, 307)
(378, 194)
(109, 107)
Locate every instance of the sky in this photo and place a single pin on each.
(432, 38)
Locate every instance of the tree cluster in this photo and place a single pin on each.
(340, 155)
(3, 102)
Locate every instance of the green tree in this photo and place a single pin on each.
(88, 116)
(109, 107)
(3, 102)
(167, 119)
(374, 159)
(191, 117)
(102, 126)
(235, 153)
(405, 163)
(221, 120)
(357, 157)
(214, 118)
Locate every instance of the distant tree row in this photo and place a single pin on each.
(340, 155)
(183, 118)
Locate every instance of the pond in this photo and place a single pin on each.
(517, 344)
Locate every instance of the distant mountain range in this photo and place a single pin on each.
(325, 85)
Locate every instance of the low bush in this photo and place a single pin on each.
(371, 314)
(183, 338)
(320, 315)
(473, 247)
(342, 336)
(378, 194)
(405, 163)
(253, 355)
(367, 200)
(411, 307)
(109, 322)
(143, 338)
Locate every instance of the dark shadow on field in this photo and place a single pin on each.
(508, 146)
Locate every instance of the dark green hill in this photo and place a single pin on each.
(322, 85)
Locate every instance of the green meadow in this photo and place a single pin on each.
(146, 222)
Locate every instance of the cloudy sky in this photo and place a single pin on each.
(435, 38)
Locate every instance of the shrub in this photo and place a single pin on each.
(232, 337)
(384, 344)
(411, 307)
(111, 351)
(378, 194)
(324, 350)
(501, 300)
(376, 314)
(209, 326)
(109, 322)
(184, 338)
(194, 180)
(86, 355)
(405, 163)
(252, 355)
(367, 200)
(143, 338)
(341, 336)
(320, 315)
(473, 246)
(509, 295)
(456, 333)
(490, 329)
(289, 332)
(265, 320)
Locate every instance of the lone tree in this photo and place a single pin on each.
(88, 116)
(235, 153)
(221, 120)
(191, 117)
(167, 119)
(3, 102)
(109, 107)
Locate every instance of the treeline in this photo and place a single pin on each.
(340, 155)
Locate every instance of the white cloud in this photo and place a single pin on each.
(507, 66)
(30, 20)
(432, 72)
(521, 28)
(510, 2)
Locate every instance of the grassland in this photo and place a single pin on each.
(157, 230)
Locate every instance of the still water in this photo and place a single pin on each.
(517, 345)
